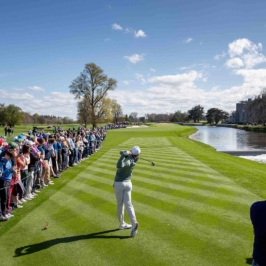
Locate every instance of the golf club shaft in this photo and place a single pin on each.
(145, 159)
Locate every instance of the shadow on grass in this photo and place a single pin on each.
(26, 250)
(249, 261)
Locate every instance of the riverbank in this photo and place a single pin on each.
(258, 128)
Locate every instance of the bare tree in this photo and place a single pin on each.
(84, 112)
(117, 111)
(134, 116)
(93, 85)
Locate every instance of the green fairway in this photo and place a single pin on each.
(192, 207)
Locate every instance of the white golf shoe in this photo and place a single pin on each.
(134, 230)
(124, 226)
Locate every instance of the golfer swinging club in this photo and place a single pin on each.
(123, 188)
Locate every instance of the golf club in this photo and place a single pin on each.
(152, 163)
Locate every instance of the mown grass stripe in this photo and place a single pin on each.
(189, 198)
(165, 166)
(215, 194)
(150, 250)
(186, 204)
(227, 188)
(198, 230)
(146, 142)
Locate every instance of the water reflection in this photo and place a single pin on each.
(230, 139)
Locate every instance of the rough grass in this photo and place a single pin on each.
(192, 207)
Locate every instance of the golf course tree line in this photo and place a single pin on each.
(215, 115)
(92, 87)
(195, 114)
(46, 119)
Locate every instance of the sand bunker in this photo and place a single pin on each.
(137, 126)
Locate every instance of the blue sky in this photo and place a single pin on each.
(165, 55)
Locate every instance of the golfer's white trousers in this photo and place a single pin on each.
(123, 198)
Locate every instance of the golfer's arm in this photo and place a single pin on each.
(120, 162)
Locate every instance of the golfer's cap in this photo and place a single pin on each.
(135, 150)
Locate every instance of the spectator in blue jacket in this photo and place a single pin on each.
(5, 178)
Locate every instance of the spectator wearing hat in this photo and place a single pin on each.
(59, 153)
(55, 159)
(65, 152)
(34, 158)
(16, 187)
(40, 179)
(79, 144)
(123, 188)
(23, 161)
(49, 151)
(13, 147)
(5, 179)
(71, 149)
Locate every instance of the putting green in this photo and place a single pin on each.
(189, 213)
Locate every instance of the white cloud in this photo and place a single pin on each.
(127, 82)
(166, 94)
(178, 79)
(187, 67)
(135, 58)
(218, 56)
(255, 78)
(55, 103)
(253, 59)
(215, 88)
(140, 78)
(140, 33)
(36, 88)
(116, 27)
(188, 40)
(6, 95)
(238, 47)
(169, 93)
(246, 51)
(234, 63)
(129, 30)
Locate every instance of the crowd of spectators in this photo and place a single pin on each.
(30, 162)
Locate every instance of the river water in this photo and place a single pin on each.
(232, 139)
